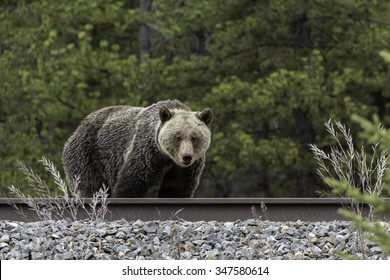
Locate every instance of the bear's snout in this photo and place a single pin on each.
(187, 158)
(186, 152)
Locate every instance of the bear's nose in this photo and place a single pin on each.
(187, 158)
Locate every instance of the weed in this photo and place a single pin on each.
(345, 165)
(49, 205)
(355, 167)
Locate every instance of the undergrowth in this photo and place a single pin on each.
(358, 177)
(64, 204)
(357, 168)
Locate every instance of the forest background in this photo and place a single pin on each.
(272, 71)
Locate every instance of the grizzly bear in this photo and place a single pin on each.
(137, 152)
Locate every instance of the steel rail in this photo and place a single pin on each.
(200, 209)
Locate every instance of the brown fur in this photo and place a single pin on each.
(132, 150)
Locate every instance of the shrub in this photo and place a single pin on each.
(359, 177)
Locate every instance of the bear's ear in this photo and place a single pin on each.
(165, 114)
(206, 116)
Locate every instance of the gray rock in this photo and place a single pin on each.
(67, 256)
(296, 247)
(11, 226)
(101, 232)
(283, 248)
(251, 222)
(178, 239)
(5, 238)
(198, 242)
(376, 250)
(186, 255)
(150, 227)
(339, 239)
(163, 232)
(341, 247)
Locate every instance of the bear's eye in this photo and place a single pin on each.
(178, 138)
(194, 140)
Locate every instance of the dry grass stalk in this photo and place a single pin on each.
(49, 205)
(345, 163)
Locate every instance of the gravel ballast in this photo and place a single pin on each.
(179, 239)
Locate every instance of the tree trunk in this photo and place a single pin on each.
(144, 32)
(301, 31)
(304, 133)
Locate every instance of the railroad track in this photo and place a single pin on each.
(203, 209)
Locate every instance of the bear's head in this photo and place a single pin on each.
(184, 136)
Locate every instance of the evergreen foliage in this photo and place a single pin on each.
(270, 70)
(372, 226)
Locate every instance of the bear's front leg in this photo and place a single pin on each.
(136, 178)
(181, 181)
